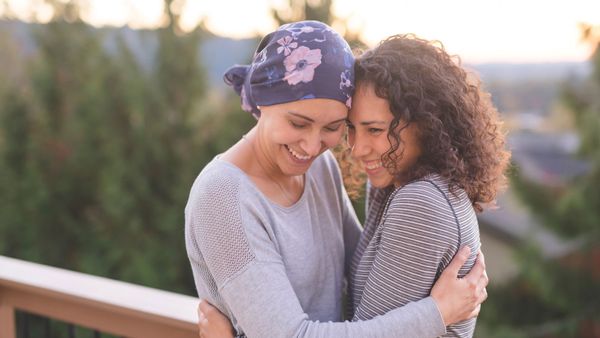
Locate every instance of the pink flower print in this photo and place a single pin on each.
(300, 65)
(286, 45)
(349, 102)
(307, 29)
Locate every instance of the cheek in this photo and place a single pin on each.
(285, 133)
(383, 145)
(331, 139)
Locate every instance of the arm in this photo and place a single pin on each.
(419, 236)
(457, 298)
(251, 277)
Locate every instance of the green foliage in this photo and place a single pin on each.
(299, 10)
(546, 300)
(97, 154)
(319, 10)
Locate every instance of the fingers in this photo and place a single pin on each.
(480, 256)
(458, 261)
(205, 306)
(478, 270)
(483, 295)
(199, 310)
(475, 312)
(484, 280)
(202, 320)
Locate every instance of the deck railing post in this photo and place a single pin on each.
(7, 320)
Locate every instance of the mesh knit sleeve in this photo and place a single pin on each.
(215, 223)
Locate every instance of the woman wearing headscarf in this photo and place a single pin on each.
(270, 230)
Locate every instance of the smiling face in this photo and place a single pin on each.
(293, 134)
(368, 125)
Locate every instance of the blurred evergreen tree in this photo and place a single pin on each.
(319, 10)
(298, 10)
(97, 154)
(559, 297)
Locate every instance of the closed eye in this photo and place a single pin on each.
(298, 125)
(333, 128)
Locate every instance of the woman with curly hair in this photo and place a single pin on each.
(429, 141)
(274, 258)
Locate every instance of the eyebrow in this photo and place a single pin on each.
(311, 120)
(366, 123)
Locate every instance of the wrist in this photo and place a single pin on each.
(442, 310)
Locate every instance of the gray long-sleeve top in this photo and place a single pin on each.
(280, 271)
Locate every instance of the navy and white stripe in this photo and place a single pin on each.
(410, 236)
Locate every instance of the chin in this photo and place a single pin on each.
(379, 183)
(290, 169)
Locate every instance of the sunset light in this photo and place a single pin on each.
(479, 31)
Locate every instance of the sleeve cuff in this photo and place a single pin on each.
(438, 324)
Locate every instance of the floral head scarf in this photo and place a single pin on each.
(301, 60)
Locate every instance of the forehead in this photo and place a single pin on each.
(318, 110)
(366, 105)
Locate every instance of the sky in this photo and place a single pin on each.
(477, 30)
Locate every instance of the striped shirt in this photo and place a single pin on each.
(411, 234)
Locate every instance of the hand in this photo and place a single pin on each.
(460, 299)
(212, 323)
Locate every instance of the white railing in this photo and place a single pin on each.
(97, 303)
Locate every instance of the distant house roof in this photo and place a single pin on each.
(513, 222)
(546, 158)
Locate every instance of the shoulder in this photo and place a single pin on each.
(218, 185)
(428, 192)
(325, 164)
(423, 203)
(326, 174)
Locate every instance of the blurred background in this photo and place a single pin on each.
(109, 110)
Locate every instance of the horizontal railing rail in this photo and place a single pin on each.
(98, 303)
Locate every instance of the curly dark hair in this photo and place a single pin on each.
(459, 129)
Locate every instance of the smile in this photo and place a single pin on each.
(298, 156)
(372, 165)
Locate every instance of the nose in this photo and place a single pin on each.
(359, 147)
(312, 144)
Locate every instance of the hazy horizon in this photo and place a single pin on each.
(479, 31)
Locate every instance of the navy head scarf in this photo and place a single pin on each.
(300, 60)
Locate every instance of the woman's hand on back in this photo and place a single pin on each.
(460, 299)
(212, 323)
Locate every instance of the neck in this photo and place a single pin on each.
(263, 170)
